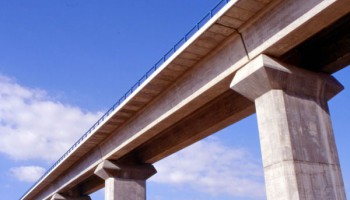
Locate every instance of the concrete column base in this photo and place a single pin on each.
(123, 189)
(124, 182)
(297, 143)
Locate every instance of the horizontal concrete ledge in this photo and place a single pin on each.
(111, 169)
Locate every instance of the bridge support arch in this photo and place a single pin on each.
(124, 182)
(299, 153)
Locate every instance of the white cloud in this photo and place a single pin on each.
(34, 126)
(27, 173)
(213, 168)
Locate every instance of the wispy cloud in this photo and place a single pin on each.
(35, 126)
(27, 173)
(213, 168)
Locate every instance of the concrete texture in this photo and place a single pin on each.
(192, 83)
(271, 35)
(124, 182)
(299, 153)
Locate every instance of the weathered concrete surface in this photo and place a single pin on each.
(289, 23)
(124, 182)
(229, 108)
(299, 152)
(193, 81)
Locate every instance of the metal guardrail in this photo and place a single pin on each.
(166, 56)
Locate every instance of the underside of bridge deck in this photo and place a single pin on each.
(327, 51)
(189, 97)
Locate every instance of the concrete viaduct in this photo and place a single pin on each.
(272, 57)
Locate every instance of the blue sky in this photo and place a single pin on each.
(65, 62)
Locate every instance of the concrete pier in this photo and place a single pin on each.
(187, 98)
(298, 149)
(58, 196)
(124, 182)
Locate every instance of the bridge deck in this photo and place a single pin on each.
(175, 100)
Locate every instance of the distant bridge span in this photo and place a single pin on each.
(273, 57)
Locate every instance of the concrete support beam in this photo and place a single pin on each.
(299, 152)
(124, 182)
(67, 197)
(197, 75)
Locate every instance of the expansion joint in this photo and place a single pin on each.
(244, 45)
